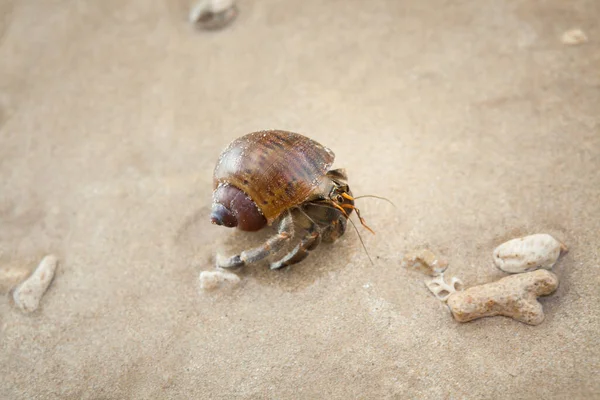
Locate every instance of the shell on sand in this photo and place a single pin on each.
(528, 253)
(27, 295)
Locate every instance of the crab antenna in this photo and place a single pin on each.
(341, 209)
(375, 197)
(351, 206)
(361, 242)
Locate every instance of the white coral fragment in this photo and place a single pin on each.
(528, 253)
(210, 280)
(441, 289)
(27, 295)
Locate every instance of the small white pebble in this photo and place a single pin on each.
(528, 253)
(210, 280)
(28, 294)
(574, 37)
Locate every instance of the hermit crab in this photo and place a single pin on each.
(278, 177)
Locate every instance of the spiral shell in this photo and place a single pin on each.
(276, 169)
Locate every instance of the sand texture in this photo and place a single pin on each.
(471, 116)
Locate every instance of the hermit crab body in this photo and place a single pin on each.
(280, 177)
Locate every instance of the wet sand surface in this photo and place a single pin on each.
(472, 117)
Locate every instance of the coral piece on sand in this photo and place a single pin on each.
(514, 296)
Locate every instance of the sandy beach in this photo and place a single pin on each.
(473, 117)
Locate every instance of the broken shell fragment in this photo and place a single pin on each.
(514, 296)
(528, 253)
(27, 295)
(210, 280)
(425, 261)
(441, 289)
(213, 14)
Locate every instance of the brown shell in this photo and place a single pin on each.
(276, 169)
